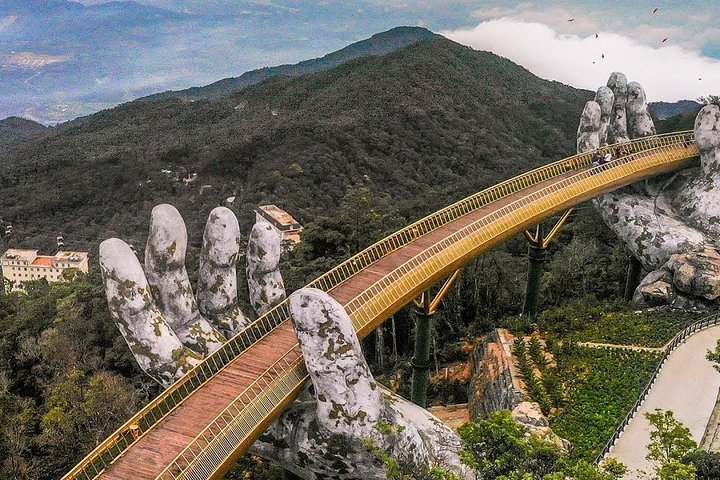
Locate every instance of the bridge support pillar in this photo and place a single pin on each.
(537, 252)
(633, 277)
(425, 310)
(536, 258)
(421, 358)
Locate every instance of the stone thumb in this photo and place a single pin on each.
(348, 398)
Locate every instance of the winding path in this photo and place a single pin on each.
(688, 385)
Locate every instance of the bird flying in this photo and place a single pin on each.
(571, 19)
(596, 35)
(654, 11)
(602, 55)
(664, 40)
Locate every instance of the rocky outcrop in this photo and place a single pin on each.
(687, 280)
(495, 384)
(530, 415)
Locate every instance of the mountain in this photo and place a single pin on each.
(422, 126)
(13, 129)
(378, 44)
(94, 55)
(664, 110)
(87, 57)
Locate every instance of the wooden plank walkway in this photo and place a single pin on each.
(155, 450)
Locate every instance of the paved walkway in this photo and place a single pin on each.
(688, 385)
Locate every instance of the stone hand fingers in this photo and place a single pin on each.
(348, 398)
(265, 283)
(217, 285)
(166, 274)
(156, 347)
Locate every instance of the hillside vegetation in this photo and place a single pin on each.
(425, 125)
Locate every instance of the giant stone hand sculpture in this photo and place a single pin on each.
(324, 434)
(670, 223)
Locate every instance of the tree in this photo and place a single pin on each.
(714, 356)
(707, 464)
(670, 443)
(500, 448)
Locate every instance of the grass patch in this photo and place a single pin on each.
(617, 324)
(601, 386)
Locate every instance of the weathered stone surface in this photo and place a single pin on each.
(156, 348)
(329, 436)
(657, 293)
(166, 274)
(617, 131)
(697, 273)
(604, 98)
(588, 137)
(700, 201)
(217, 285)
(529, 413)
(638, 117)
(495, 383)
(324, 434)
(263, 268)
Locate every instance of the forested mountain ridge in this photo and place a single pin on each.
(379, 44)
(13, 129)
(425, 125)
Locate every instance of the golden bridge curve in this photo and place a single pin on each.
(199, 426)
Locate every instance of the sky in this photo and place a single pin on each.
(95, 53)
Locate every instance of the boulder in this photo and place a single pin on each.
(529, 415)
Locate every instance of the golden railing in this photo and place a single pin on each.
(126, 435)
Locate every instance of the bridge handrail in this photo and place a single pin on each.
(154, 411)
(404, 271)
(703, 323)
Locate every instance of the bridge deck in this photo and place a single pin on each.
(160, 446)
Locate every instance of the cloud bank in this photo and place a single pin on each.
(668, 72)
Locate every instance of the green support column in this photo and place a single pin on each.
(633, 277)
(421, 358)
(536, 256)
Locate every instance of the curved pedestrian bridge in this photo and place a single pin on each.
(199, 426)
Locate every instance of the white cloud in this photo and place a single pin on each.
(668, 72)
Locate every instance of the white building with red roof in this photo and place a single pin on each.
(20, 265)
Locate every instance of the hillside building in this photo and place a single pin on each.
(19, 265)
(287, 227)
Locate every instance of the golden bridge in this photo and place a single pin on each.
(200, 426)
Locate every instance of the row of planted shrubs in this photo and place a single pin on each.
(588, 391)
